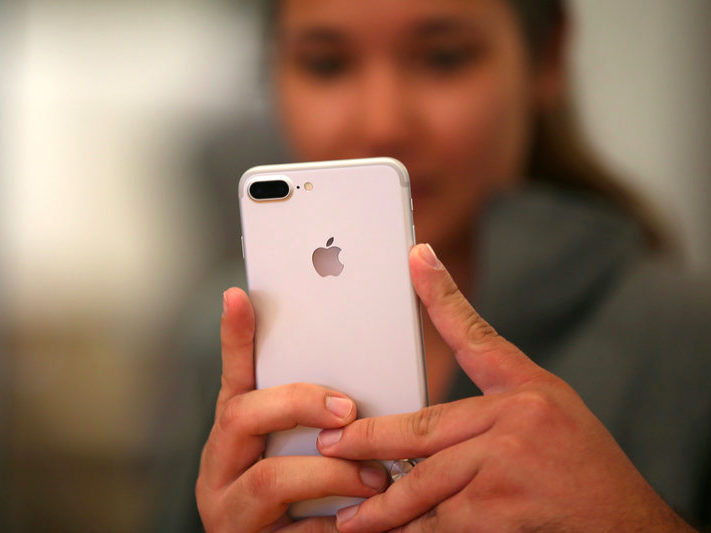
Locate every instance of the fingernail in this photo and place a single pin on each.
(225, 303)
(346, 513)
(372, 477)
(340, 407)
(329, 437)
(429, 256)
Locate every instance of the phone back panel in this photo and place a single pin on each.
(358, 332)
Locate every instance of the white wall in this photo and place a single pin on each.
(102, 226)
(644, 75)
(103, 100)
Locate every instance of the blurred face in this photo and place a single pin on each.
(445, 86)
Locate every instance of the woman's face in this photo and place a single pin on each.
(445, 86)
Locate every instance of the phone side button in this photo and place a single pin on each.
(241, 239)
(414, 239)
(412, 206)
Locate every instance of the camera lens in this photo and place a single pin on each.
(269, 190)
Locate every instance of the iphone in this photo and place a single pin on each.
(326, 250)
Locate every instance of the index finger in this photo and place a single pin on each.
(237, 338)
(418, 434)
(492, 363)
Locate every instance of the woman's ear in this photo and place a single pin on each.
(552, 75)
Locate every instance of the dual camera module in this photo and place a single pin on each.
(273, 189)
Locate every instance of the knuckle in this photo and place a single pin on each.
(478, 329)
(292, 392)
(536, 406)
(450, 292)
(203, 499)
(431, 521)
(509, 446)
(369, 430)
(230, 419)
(295, 394)
(200, 489)
(262, 479)
(422, 423)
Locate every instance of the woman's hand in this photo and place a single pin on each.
(526, 456)
(235, 490)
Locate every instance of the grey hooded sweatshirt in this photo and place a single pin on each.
(570, 282)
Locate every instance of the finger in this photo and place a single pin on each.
(312, 525)
(418, 434)
(433, 520)
(458, 513)
(492, 363)
(237, 438)
(432, 481)
(237, 336)
(265, 491)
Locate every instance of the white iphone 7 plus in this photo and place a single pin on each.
(326, 249)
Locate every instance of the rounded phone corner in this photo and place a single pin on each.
(399, 168)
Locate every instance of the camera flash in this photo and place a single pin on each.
(308, 186)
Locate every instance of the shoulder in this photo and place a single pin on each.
(556, 264)
(642, 362)
(648, 334)
(664, 307)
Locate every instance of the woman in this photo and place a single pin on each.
(470, 95)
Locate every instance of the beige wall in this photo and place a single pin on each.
(103, 227)
(643, 73)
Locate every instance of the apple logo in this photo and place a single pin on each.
(326, 260)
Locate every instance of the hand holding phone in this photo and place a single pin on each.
(366, 206)
(237, 490)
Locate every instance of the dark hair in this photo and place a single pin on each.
(560, 154)
(539, 19)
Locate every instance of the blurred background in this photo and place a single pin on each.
(124, 127)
